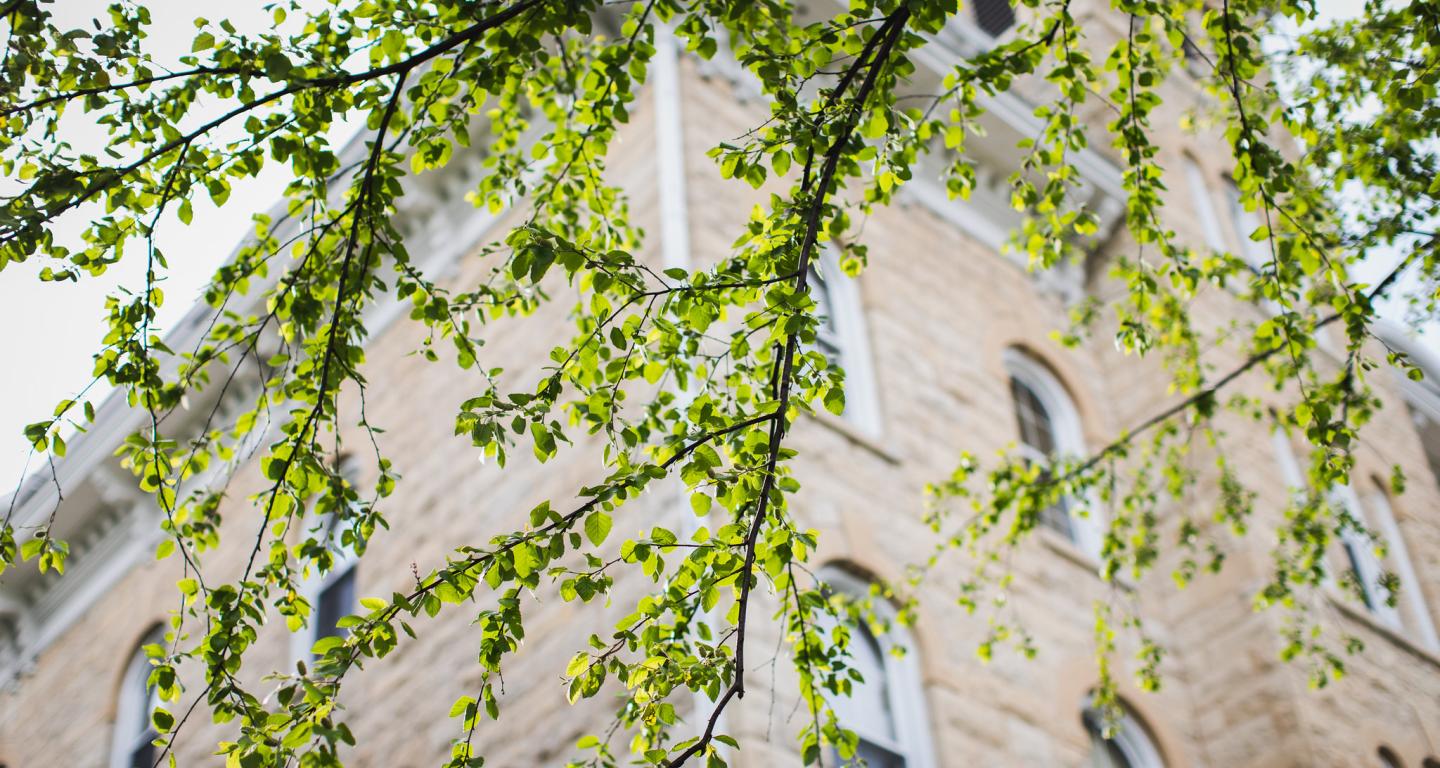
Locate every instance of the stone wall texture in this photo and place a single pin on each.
(940, 310)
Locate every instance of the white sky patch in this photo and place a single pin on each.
(55, 328)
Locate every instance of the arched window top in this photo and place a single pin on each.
(1054, 422)
(1048, 426)
(1388, 758)
(1129, 746)
(887, 710)
(131, 742)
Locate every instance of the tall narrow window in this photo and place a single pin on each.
(1244, 223)
(1196, 61)
(1388, 758)
(1363, 561)
(1037, 443)
(1049, 427)
(1413, 612)
(1204, 205)
(332, 593)
(867, 710)
(133, 741)
(840, 336)
(887, 710)
(1129, 746)
(994, 17)
(335, 601)
(827, 330)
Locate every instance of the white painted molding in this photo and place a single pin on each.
(1420, 625)
(905, 689)
(862, 401)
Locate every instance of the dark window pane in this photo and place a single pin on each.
(1104, 753)
(1037, 432)
(994, 16)
(335, 602)
(873, 755)
(1352, 551)
(1036, 428)
(143, 756)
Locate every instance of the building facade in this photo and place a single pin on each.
(948, 345)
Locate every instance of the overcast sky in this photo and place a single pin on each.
(54, 328)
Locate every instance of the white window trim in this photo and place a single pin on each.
(1421, 624)
(1285, 457)
(1369, 565)
(902, 676)
(1088, 532)
(130, 716)
(1133, 740)
(1243, 222)
(1366, 563)
(1204, 202)
(862, 406)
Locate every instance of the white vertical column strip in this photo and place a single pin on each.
(670, 151)
(675, 237)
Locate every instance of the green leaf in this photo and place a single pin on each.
(597, 527)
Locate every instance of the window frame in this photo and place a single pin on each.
(315, 585)
(1413, 613)
(905, 691)
(1087, 532)
(839, 295)
(1132, 738)
(1243, 222)
(136, 701)
(1203, 198)
(1359, 551)
(1364, 562)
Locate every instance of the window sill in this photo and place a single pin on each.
(857, 437)
(1363, 616)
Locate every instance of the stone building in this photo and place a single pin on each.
(948, 345)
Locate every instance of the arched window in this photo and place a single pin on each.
(841, 336)
(1049, 426)
(1129, 746)
(132, 742)
(1430, 762)
(886, 710)
(994, 17)
(1388, 758)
